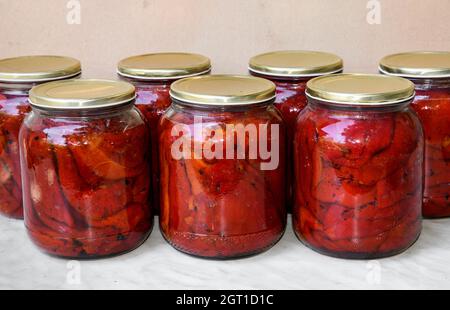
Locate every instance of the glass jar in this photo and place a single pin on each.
(430, 72)
(152, 75)
(17, 77)
(222, 163)
(290, 71)
(85, 169)
(358, 167)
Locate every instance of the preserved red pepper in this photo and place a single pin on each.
(290, 71)
(359, 167)
(17, 76)
(86, 169)
(231, 204)
(430, 72)
(152, 75)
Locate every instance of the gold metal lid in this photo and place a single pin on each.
(296, 64)
(81, 94)
(164, 66)
(223, 90)
(361, 89)
(417, 65)
(35, 69)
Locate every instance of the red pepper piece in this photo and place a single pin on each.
(125, 220)
(446, 148)
(46, 195)
(433, 110)
(140, 187)
(439, 190)
(221, 177)
(386, 162)
(90, 155)
(434, 152)
(2, 144)
(362, 139)
(128, 149)
(91, 203)
(436, 206)
(9, 146)
(9, 206)
(332, 189)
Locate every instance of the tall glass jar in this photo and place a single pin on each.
(290, 71)
(85, 169)
(17, 76)
(430, 72)
(222, 167)
(152, 75)
(358, 167)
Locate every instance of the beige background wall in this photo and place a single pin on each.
(229, 31)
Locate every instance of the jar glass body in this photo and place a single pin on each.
(432, 104)
(290, 101)
(14, 107)
(222, 205)
(86, 181)
(359, 179)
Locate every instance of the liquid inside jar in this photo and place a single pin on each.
(13, 109)
(86, 181)
(358, 180)
(221, 207)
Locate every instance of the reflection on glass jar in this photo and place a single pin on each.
(17, 77)
(152, 75)
(222, 167)
(290, 71)
(359, 167)
(430, 72)
(85, 169)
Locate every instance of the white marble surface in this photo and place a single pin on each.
(289, 265)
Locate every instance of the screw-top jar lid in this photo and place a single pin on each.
(361, 89)
(164, 66)
(218, 90)
(296, 64)
(36, 69)
(81, 94)
(417, 65)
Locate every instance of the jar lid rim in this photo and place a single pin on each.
(420, 65)
(164, 66)
(361, 89)
(38, 69)
(81, 94)
(223, 90)
(296, 63)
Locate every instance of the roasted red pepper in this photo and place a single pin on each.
(13, 109)
(87, 182)
(221, 208)
(358, 180)
(433, 108)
